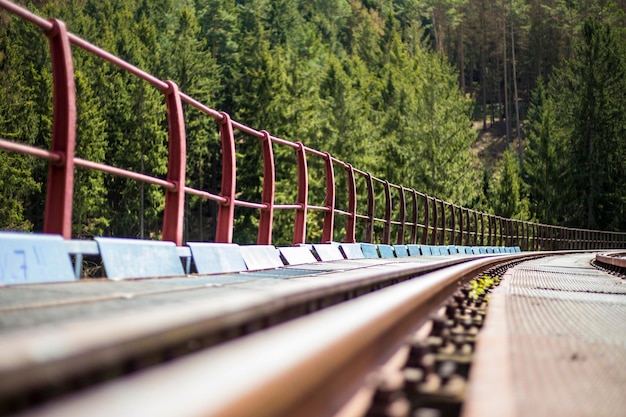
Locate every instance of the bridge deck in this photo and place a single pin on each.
(554, 343)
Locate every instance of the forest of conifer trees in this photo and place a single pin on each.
(391, 87)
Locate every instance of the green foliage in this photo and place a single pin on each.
(545, 162)
(576, 165)
(349, 77)
(507, 194)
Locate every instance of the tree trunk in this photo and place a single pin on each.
(461, 58)
(515, 98)
(483, 81)
(506, 84)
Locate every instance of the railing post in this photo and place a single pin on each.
(60, 189)
(482, 229)
(299, 229)
(490, 236)
(468, 227)
(495, 235)
(329, 216)
(401, 229)
(266, 217)
(507, 232)
(369, 227)
(500, 231)
(452, 225)
(461, 227)
(549, 238)
(424, 240)
(442, 233)
(475, 240)
(433, 236)
(414, 217)
(351, 223)
(388, 208)
(536, 242)
(226, 212)
(174, 215)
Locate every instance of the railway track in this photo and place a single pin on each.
(308, 342)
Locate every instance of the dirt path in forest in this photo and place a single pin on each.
(490, 144)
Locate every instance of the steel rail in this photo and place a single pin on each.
(67, 351)
(307, 367)
(617, 259)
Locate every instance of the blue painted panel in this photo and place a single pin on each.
(369, 250)
(482, 249)
(386, 251)
(85, 247)
(136, 258)
(261, 257)
(414, 250)
(297, 255)
(328, 252)
(212, 258)
(517, 249)
(352, 250)
(401, 251)
(475, 250)
(438, 250)
(427, 250)
(27, 258)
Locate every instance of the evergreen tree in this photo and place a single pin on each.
(546, 159)
(592, 88)
(507, 194)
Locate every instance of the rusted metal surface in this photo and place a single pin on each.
(65, 331)
(554, 343)
(60, 190)
(266, 217)
(177, 164)
(617, 259)
(307, 367)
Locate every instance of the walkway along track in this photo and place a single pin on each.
(334, 348)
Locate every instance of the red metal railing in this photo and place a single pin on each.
(425, 219)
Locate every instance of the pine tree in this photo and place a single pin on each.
(546, 166)
(507, 194)
(592, 87)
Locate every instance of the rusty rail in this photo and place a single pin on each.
(307, 367)
(421, 218)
